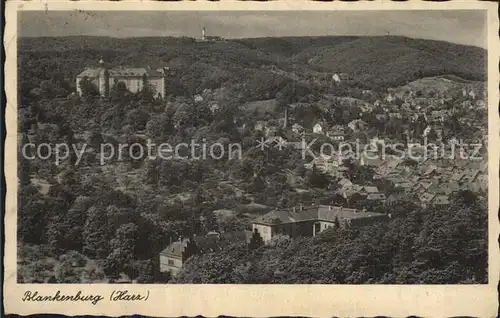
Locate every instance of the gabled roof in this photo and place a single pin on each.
(207, 243)
(343, 182)
(401, 196)
(176, 248)
(371, 189)
(376, 196)
(90, 72)
(425, 184)
(426, 197)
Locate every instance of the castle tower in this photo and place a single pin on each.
(103, 79)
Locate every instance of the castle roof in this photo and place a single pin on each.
(121, 71)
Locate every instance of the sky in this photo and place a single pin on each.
(463, 27)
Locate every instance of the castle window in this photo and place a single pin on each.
(170, 262)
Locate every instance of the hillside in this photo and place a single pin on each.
(373, 62)
(441, 84)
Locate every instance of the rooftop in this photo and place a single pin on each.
(121, 72)
(211, 242)
(320, 212)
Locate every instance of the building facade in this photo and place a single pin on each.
(104, 78)
(310, 221)
(173, 257)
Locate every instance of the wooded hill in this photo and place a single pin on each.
(373, 62)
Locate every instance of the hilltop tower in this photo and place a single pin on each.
(203, 33)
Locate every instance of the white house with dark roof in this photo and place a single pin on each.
(310, 221)
(317, 129)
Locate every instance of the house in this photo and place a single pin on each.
(426, 198)
(260, 126)
(376, 197)
(388, 166)
(472, 94)
(448, 188)
(104, 77)
(198, 98)
(357, 125)
(440, 200)
(482, 179)
(336, 79)
(173, 257)
(317, 129)
(469, 175)
(473, 187)
(480, 104)
(345, 183)
(370, 159)
(395, 198)
(214, 107)
(298, 129)
(310, 221)
(366, 190)
(406, 186)
(438, 115)
(270, 131)
(426, 184)
(430, 171)
(457, 176)
(336, 133)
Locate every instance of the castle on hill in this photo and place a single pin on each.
(104, 77)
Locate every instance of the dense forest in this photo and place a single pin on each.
(86, 222)
(372, 62)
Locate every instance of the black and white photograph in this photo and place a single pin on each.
(252, 147)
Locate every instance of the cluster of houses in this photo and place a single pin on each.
(426, 182)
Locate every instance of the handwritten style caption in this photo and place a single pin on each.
(94, 299)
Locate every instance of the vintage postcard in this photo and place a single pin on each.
(252, 159)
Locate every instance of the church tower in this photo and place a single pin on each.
(203, 33)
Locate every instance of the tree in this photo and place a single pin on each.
(337, 222)
(123, 248)
(137, 118)
(119, 91)
(256, 241)
(88, 88)
(159, 127)
(95, 237)
(95, 139)
(316, 178)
